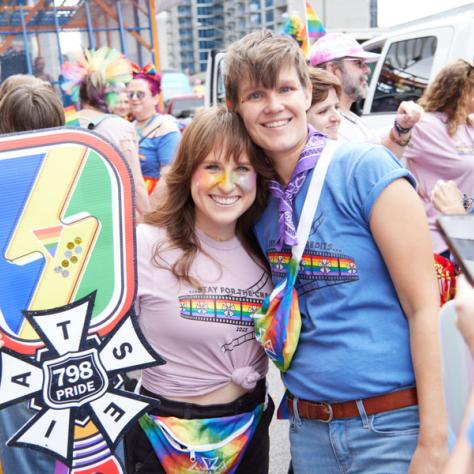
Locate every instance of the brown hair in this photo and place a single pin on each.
(322, 82)
(30, 107)
(259, 57)
(16, 80)
(450, 92)
(211, 129)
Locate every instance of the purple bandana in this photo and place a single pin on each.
(307, 160)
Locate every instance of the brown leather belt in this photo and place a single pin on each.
(326, 412)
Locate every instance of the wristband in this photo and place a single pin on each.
(467, 202)
(399, 141)
(401, 130)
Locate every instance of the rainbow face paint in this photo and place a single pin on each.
(222, 191)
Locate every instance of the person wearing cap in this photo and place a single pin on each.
(343, 56)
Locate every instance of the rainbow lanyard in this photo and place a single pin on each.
(211, 445)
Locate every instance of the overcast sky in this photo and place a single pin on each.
(392, 12)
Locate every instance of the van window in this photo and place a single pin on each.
(405, 73)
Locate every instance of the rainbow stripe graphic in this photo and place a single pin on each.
(201, 445)
(219, 309)
(315, 25)
(70, 115)
(49, 237)
(316, 266)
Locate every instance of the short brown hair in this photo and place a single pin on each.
(259, 57)
(215, 128)
(322, 82)
(16, 80)
(450, 92)
(30, 107)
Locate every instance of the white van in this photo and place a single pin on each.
(411, 56)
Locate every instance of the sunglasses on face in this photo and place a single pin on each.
(139, 94)
(360, 63)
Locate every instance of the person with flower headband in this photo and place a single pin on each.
(92, 81)
(158, 134)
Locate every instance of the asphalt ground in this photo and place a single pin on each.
(279, 444)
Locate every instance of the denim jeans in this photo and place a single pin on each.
(20, 460)
(370, 444)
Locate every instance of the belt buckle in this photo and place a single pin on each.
(329, 409)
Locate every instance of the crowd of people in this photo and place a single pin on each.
(219, 212)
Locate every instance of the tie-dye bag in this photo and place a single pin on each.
(278, 321)
(210, 445)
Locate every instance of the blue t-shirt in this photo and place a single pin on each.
(354, 340)
(156, 152)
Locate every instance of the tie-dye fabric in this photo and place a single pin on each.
(278, 321)
(210, 445)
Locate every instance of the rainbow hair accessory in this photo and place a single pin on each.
(149, 74)
(106, 67)
(278, 321)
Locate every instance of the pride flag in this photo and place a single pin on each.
(315, 25)
(70, 115)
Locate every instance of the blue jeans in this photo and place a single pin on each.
(368, 444)
(20, 460)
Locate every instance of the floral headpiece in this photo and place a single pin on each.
(105, 66)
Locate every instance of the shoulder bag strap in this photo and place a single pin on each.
(312, 198)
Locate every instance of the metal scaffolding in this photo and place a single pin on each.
(35, 27)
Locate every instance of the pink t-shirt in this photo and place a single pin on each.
(432, 155)
(206, 335)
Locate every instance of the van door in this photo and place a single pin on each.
(215, 91)
(407, 63)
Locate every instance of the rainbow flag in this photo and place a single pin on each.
(49, 237)
(70, 115)
(296, 29)
(315, 25)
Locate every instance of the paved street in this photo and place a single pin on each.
(279, 445)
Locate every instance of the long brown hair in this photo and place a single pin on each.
(450, 92)
(211, 129)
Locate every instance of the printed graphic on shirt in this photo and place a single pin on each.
(223, 304)
(317, 268)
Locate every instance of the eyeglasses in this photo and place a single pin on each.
(360, 63)
(131, 94)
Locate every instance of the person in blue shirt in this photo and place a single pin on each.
(365, 386)
(158, 134)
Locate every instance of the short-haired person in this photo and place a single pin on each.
(344, 57)
(366, 286)
(158, 134)
(324, 113)
(31, 105)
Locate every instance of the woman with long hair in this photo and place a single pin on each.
(158, 134)
(200, 277)
(442, 143)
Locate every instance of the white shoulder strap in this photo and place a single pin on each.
(312, 198)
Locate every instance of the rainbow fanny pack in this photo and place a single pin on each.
(214, 445)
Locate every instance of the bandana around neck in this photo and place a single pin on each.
(307, 160)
